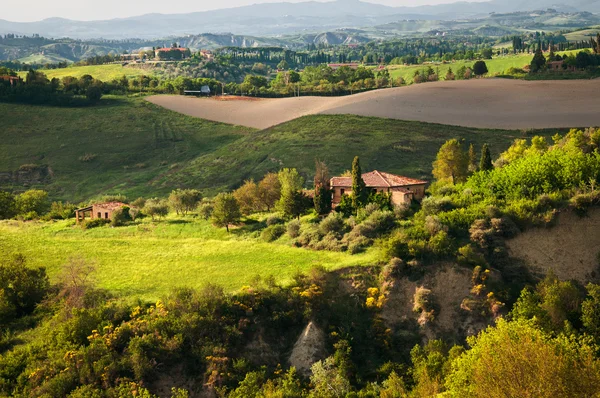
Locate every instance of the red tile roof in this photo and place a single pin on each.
(171, 49)
(378, 179)
(110, 205)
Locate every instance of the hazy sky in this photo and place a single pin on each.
(34, 10)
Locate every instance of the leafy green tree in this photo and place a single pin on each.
(590, 311)
(156, 208)
(515, 359)
(184, 200)
(21, 288)
(292, 202)
(328, 381)
(269, 191)
(248, 197)
(360, 194)
(226, 210)
(538, 63)
(322, 197)
(283, 65)
(452, 162)
(480, 68)
(8, 206)
(32, 201)
(93, 94)
(485, 163)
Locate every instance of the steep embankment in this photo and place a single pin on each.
(570, 248)
(481, 103)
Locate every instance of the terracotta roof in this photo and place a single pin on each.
(171, 49)
(110, 205)
(378, 179)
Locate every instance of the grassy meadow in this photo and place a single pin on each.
(132, 147)
(121, 145)
(100, 72)
(148, 259)
(496, 66)
(401, 147)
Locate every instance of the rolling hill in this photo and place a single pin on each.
(132, 147)
(281, 18)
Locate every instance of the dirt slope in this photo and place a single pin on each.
(480, 103)
(570, 249)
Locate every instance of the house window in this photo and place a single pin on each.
(99, 215)
(105, 215)
(342, 191)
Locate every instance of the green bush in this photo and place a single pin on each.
(61, 211)
(96, 222)
(274, 220)
(378, 223)
(273, 232)
(333, 223)
(293, 229)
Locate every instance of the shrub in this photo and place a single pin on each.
(333, 223)
(332, 243)
(205, 210)
(422, 299)
(434, 205)
(379, 222)
(156, 208)
(34, 200)
(366, 211)
(272, 232)
(88, 157)
(293, 229)
(274, 220)
(358, 244)
(61, 211)
(441, 244)
(120, 217)
(96, 222)
(308, 238)
(393, 269)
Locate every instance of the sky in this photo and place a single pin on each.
(35, 10)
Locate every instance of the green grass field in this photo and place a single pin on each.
(133, 144)
(149, 259)
(581, 35)
(496, 66)
(139, 149)
(402, 147)
(100, 72)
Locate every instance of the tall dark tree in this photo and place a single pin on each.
(322, 199)
(472, 159)
(480, 68)
(359, 188)
(538, 62)
(485, 164)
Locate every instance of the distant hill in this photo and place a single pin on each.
(42, 50)
(281, 18)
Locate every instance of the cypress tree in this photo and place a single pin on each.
(486, 159)
(359, 188)
(472, 159)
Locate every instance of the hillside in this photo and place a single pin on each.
(492, 103)
(287, 18)
(139, 149)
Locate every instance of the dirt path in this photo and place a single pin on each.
(484, 103)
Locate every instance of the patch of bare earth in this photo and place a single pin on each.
(449, 286)
(309, 348)
(570, 248)
(479, 103)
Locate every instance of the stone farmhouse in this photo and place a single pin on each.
(98, 210)
(402, 189)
